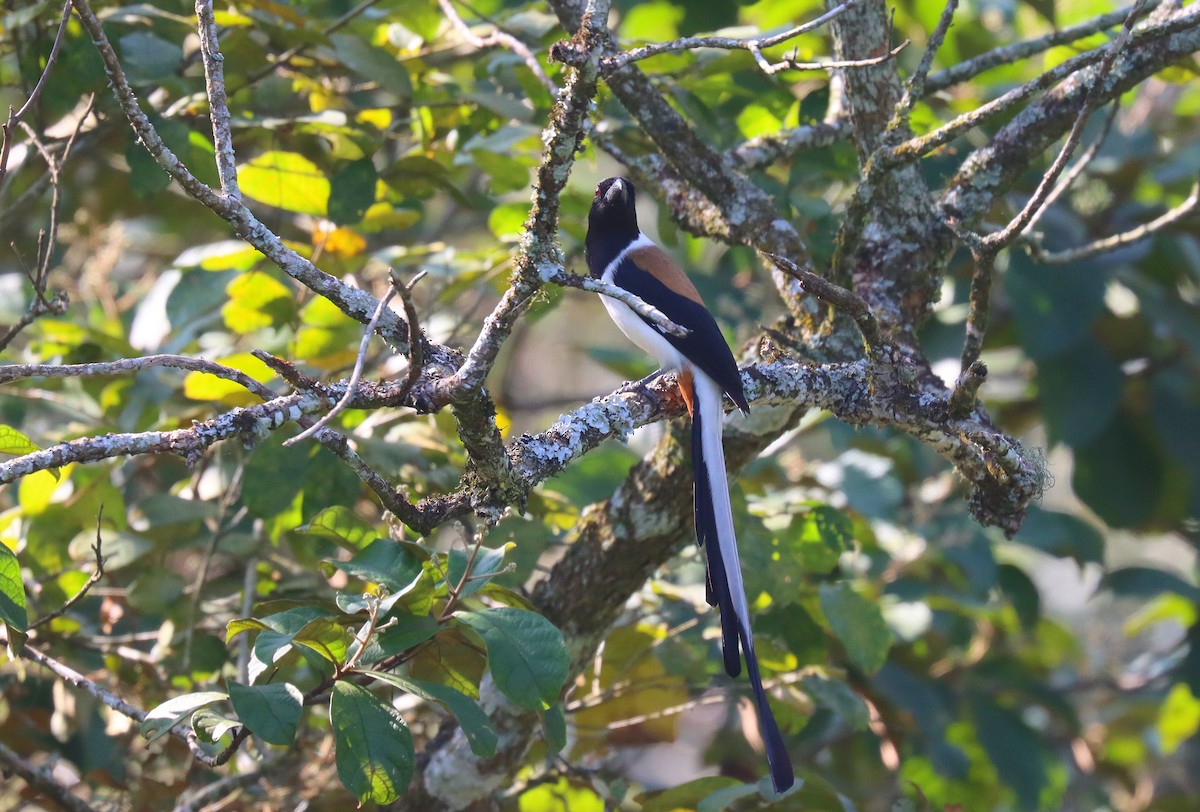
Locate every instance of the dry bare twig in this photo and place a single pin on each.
(754, 46)
(498, 37)
(1124, 238)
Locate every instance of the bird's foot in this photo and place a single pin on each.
(641, 386)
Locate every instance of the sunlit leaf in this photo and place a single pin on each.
(12, 591)
(160, 719)
(285, 180)
(526, 654)
(374, 748)
(257, 300)
(480, 732)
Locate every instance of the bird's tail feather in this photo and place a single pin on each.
(714, 530)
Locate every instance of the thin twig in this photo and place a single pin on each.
(13, 372)
(1124, 238)
(96, 575)
(501, 38)
(846, 300)
(914, 148)
(1010, 232)
(291, 53)
(984, 250)
(915, 87)
(220, 531)
(1009, 54)
(456, 590)
(116, 703)
(355, 303)
(979, 301)
(218, 102)
(646, 311)
(562, 140)
(416, 342)
(355, 375)
(620, 60)
(6, 131)
(41, 778)
(790, 63)
(1077, 168)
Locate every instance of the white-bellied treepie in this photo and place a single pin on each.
(620, 254)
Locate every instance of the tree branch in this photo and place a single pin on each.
(1124, 238)
(355, 303)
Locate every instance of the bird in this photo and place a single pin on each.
(618, 253)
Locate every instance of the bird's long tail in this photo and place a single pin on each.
(714, 529)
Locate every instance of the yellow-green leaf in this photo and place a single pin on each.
(257, 300)
(286, 180)
(15, 443)
(209, 388)
(1179, 718)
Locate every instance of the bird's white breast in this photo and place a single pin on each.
(634, 328)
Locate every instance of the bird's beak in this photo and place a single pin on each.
(619, 191)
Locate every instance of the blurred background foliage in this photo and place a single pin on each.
(921, 662)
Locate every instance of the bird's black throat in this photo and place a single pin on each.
(612, 224)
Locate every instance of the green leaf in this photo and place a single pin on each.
(687, 795)
(374, 748)
(526, 654)
(819, 537)
(383, 561)
(352, 191)
(1147, 582)
(162, 509)
(487, 564)
(170, 713)
(1119, 474)
(452, 657)
(285, 180)
(554, 725)
(1062, 535)
(271, 712)
(243, 624)
(205, 387)
(15, 443)
(507, 221)
(839, 697)
(257, 300)
(403, 633)
(475, 724)
(1022, 593)
(267, 491)
(12, 591)
(325, 636)
(212, 726)
(1079, 392)
(148, 59)
(560, 795)
(859, 624)
(146, 177)
(1053, 311)
(1178, 719)
(1016, 751)
(374, 64)
(341, 525)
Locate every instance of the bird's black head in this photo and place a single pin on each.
(612, 223)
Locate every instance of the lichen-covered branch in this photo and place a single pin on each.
(991, 169)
